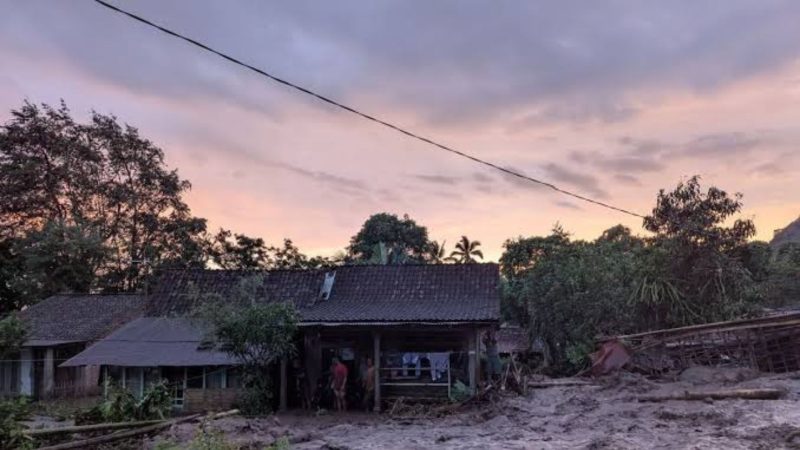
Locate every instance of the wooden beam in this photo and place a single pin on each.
(283, 400)
(477, 349)
(48, 381)
(468, 346)
(376, 364)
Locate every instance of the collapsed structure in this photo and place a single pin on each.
(768, 344)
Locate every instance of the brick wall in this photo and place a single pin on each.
(199, 400)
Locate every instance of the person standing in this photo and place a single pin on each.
(369, 384)
(339, 384)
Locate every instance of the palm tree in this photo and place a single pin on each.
(437, 253)
(466, 250)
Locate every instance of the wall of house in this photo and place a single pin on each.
(26, 376)
(9, 377)
(200, 400)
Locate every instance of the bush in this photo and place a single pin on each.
(121, 406)
(12, 412)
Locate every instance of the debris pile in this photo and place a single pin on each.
(766, 344)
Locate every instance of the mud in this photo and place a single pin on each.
(606, 416)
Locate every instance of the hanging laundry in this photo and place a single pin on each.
(440, 363)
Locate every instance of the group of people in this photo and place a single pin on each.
(332, 388)
(338, 384)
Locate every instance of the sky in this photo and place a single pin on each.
(613, 100)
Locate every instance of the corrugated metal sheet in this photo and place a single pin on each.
(152, 341)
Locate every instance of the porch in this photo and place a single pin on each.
(411, 360)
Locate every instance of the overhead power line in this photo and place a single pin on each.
(368, 116)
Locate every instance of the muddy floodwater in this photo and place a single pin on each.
(607, 415)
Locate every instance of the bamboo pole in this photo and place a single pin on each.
(90, 428)
(84, 443)
(747, 394)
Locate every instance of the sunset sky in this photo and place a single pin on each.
(613, 100)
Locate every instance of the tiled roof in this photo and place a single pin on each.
(79, 318)
(152, 341)
(404, 293)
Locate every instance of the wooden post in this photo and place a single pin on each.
(282, 406)
(49, 373)
(26, 371)
(471, 360)
(477, 349)
(376, 364)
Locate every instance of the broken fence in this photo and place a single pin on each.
(768, 344)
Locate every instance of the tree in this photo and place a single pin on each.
(466, 251)
(256, 331)
(12, 273)
(101, 180)
(60, 258)
(13, 335)
(781, 287)
(695, 257)
(575, 293)
(522, 254)
(238, 251)
(438, 254)
(401, 236)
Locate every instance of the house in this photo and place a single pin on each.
(60, 327)
(420, 324)
(150, 349)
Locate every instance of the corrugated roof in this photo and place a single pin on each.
(79, 318)
(431, 293)
(152, 341)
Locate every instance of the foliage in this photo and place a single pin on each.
(210, 439)
(120, 405)
(401, 236)
(521, 254)
(466, 251)
(12, 273)
(576, 293)
(60, 258)
(693, 269)
(255, 332)
(781, 286)
(12, 412)
(238, 251)
(12, 335)
(96, 198)
(460, 392)
(282, 443)
(437, 253)
(699, 257)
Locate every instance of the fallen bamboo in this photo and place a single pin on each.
(84, 443)
(220, 415)
(559, 383)
(747, 394)
(90, 428)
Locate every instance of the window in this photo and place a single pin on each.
(114, 375)
(234, 376)
(133, 380)
(152, 376)
(194, 378)
(215, 377)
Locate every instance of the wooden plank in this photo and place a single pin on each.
(747, 394)
(376, 364)
(90, 428)
(113, 437)
(283, 400)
